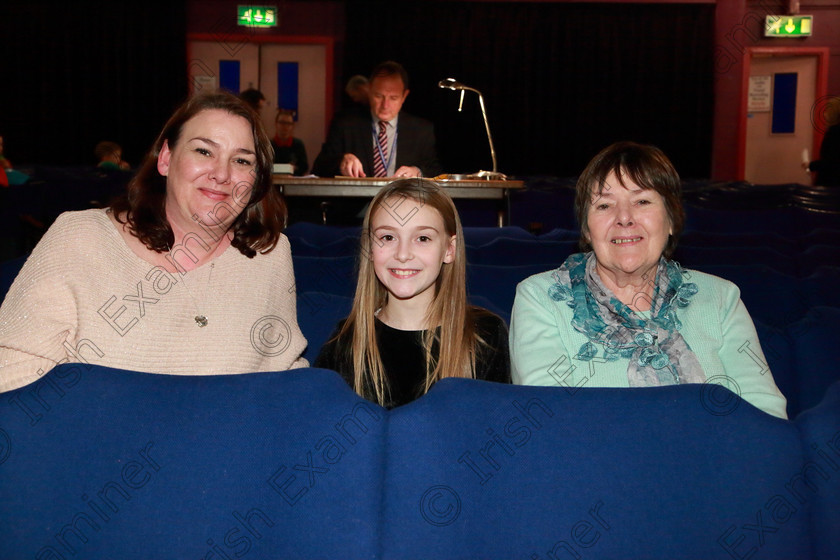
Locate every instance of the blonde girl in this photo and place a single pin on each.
(411, 324)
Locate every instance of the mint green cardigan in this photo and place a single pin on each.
(716, 325)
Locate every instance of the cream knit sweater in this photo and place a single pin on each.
(84, 296)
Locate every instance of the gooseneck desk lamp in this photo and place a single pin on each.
(455, 85)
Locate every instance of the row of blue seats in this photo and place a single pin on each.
(294, 465)
(780, 303)
(802, 354)
(796, 262)
(792, 296)
(514, 246)
(781, 238)
(771, 296)
(796, 319)
(551, 205)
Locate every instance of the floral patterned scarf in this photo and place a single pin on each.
(658, 354)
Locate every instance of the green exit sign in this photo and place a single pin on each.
(257, 16)
(788, 26)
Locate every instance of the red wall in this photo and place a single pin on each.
(739, 25)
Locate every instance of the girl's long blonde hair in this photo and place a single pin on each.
(456, 338)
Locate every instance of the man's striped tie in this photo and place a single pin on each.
(379, 169)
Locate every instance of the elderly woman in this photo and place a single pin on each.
(622, 314)
(189, 274)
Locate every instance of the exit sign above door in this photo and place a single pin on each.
(788, 26)
(257, 16)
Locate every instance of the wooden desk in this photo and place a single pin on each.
(369, 186)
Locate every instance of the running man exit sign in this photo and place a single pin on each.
(788, 26)
(257, 16)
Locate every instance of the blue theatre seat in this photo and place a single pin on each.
(815, 341)
(820, 427)
(820, 288)
(818, 255)
(333, 275)
(498, 283)
(725, 240)
(317, 234)
(770, 296)
(477, 236)
(98, 463)
(699, 257)
(318, 315)
(779, 353)
(559, 234)
(522, 252)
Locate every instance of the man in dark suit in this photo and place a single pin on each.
(359, 146)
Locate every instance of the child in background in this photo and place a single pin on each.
(287, 148)
(411, 324)
(109, 155)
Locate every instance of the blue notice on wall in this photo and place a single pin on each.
(229, 75)
(287, 86)
(784, 103)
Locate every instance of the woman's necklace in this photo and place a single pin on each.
(200, 318)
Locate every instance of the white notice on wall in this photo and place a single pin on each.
(204, 83)
(759, 96)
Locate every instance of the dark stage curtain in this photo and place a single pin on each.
(560, 81)
(76, 73)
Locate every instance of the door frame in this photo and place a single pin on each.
(821, 90)
(239, 38)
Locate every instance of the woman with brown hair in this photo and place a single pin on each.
(188, 274)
